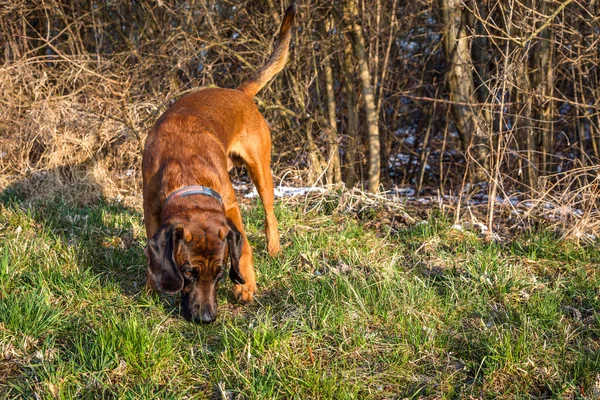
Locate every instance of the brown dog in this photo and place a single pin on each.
(192, 218)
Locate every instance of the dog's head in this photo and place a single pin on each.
(190, 256)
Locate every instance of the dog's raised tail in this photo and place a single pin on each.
(277, 60)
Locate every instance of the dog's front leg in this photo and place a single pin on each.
(243, 293)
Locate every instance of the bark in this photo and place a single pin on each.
(358, 47)
(481, 61)
(334, 173)
(315, 157)
(321, 168)
(544, 79)
(425, 150)
(468, 116)
(352, 125)
(525, 128)
(314, 154)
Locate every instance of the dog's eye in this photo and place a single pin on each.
(220, 274)
(188, 273)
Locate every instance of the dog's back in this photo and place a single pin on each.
(227, 111)
(208, 111)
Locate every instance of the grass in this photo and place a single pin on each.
(349, 311)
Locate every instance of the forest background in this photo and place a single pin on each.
(493, 104)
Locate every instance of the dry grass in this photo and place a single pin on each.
(83, 144)
(77, 100)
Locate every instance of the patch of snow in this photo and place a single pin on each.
(406, 130)
(564, 109)
(404, 191)
(401, 160)
(287, 191)
(241, 186)
(482, 228)
(410, 47)
(431, 20)
(433, 37)
(410, 140)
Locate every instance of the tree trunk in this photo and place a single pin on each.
(334, 173)
(358, 46)
(314, 155)
(352, 125)
(468, 115)
(524, 127)
(543, 61)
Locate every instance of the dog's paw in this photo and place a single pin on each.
(274, 249)
(244, 293)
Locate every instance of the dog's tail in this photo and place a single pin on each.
(277, 60)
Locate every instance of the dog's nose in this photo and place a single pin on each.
(207, 318)
(198, 314)
(208, 315)
(204, 314)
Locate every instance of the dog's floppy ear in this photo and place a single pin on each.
(235, 242)
(163, 273)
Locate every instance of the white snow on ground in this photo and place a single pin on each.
(518, 204)
(402, 191)
(287, 191)
(400, 160)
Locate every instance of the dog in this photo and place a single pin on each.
(191, 215)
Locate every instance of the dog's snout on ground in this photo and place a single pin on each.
(199, 313)
(208, 314)
(200, 306)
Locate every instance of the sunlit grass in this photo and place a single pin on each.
(346, 312)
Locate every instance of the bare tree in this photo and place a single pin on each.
(472, 125)
(334, 172)
(354, 31)
(351, 116)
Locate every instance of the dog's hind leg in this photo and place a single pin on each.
(263, 180)
(257, 161)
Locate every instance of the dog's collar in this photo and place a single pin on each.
(190, 190)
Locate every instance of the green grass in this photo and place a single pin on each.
(347, 312)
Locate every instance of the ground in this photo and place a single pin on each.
(354, 308)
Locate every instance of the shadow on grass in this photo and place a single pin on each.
(107, 237)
